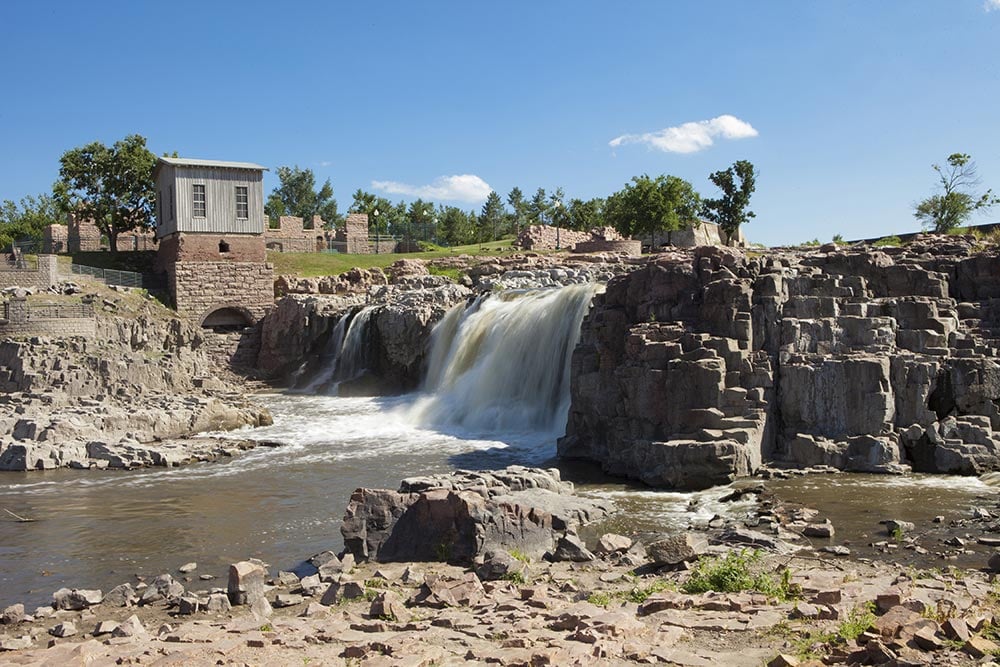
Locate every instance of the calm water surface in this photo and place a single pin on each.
(99, 529)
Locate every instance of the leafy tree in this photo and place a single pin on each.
(730, 210)
(297, 195)
(113, 186)
(537, 208)
(25, 221)
(957, 200)
(647, 205)
(492, 216)
(515, 198)
(585, 215)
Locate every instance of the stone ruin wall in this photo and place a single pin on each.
(21, 320)
(543, 237)
(291, 235)
(40, 277)
(81, 235)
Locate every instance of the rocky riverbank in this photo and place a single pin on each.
(130, 397)
(747, 592)
(704, 364)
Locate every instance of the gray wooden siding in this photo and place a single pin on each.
(220, 200)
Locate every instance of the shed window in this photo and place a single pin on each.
(199, 201)
(242, 202)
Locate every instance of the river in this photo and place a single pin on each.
(497, 394)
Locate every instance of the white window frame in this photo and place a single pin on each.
(246, 202)
(194, 200)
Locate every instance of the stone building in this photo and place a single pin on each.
(210, 227)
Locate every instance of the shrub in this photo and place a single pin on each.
(858, 621)
(737, 571)
(450, 273)
(888, 241)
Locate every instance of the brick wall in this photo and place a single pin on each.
(192, 247)
(41, 277)
(199, 288)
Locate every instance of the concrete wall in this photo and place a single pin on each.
(200, 287)
(41, 277)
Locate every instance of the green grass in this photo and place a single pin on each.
(887, 241)
(314, 264)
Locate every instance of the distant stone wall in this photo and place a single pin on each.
(291, 236)
(354, 235)
(55, 239)
(201, 287)
(82, 235)
(41, 277)
(20, 319)
(623, 246)
(235, 349)
(546, 237)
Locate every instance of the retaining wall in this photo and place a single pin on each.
(41, 277)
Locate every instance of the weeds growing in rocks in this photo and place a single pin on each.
(858, 620)
(737, 571)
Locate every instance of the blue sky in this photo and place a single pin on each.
(842, 106)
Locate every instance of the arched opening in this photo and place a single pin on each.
(320, 244)
(223, 247)
(274, 245)
(226, 319)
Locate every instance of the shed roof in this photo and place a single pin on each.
(192, 162)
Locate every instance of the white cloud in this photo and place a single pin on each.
(694, 136)
(463, 187)
(990, 5)
(326, 163)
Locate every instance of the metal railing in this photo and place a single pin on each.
(116, 277)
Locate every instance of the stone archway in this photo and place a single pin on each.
(226, 317)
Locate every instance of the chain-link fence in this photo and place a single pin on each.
(116, 277)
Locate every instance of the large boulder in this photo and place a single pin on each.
(462, 515)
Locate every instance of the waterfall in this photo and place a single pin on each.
(346, 353)
(503, 363)
(331, 353)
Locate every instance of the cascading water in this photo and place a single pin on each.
(346, 353)
(503, 363)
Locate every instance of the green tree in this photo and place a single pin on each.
(364, 202)
(586, 215)
(297, 195)
(420, 216)
(25, 221)
(731, 209)
(647, 206)
(515, 198)
(957, 200)
(113, 186)
(455, 227)
(537, 208)
(492, 217)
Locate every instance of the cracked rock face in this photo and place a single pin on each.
(697, 368)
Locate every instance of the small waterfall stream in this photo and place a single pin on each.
(345, 353)
(503, 363)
